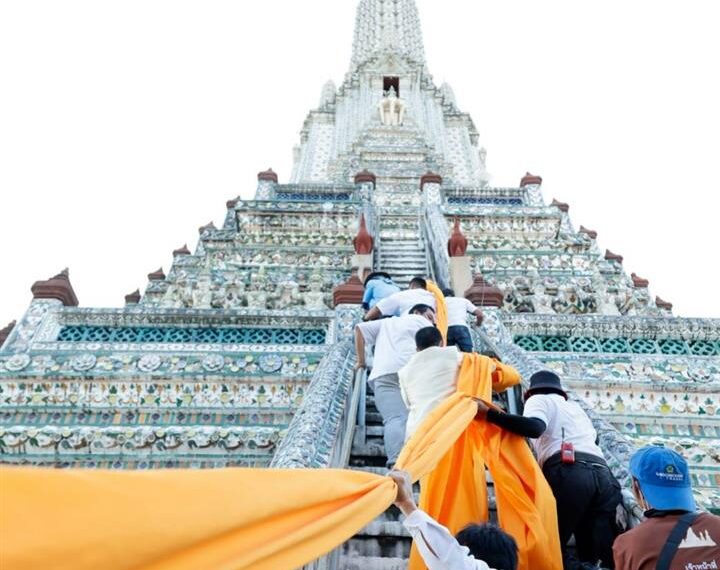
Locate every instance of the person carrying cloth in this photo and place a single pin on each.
(476, 547)
(454, 491)
(588, 495)
(263, 519)
(431, 375)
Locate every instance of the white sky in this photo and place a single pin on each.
(126, 125)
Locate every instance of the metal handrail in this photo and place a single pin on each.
(356, 403)
(429, 257)
(353, 416)
(360, 434)
(438, 259)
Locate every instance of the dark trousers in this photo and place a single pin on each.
(587, 495)
(459, 335)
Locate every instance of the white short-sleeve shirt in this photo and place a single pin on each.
(401, 302)
(559, 413)
(458, 309)
(394, 341)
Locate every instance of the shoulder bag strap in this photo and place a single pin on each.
(673, 541)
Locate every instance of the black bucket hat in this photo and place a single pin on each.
(545, 380)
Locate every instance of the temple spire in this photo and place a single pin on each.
(387, 27)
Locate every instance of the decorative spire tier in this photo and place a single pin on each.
(57, 287)
(387, 27)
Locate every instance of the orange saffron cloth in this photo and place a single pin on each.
(441, 315)
(233, 519)
(455, 492)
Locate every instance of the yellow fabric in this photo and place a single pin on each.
(441, 315)
(233, 519)
(181, 519)
(199, 519)
(504, 377)
(455, 493)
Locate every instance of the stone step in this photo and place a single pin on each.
(379, 546)
(410, 250)
(373, 447)
(414, 248)
(372, 469)
(406, 272)
(373, 418)
(402, 268)
(403, 259)
(384, 527)
(402, 280)
(412, 256)
(371, 563)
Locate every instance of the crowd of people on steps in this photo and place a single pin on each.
(414, 364)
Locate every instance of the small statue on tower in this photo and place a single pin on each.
(392, 109)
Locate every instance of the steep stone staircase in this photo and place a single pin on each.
(384, 544)
(403, 259)
(401, 254)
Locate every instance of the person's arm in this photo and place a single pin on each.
(373, 314)
(359, 349)
(387, 306)
(365, 333)
(519, 425)
(438, 548)
(367, 295)
(473, 310)
(479, 316)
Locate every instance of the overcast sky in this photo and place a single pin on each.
(126, 125)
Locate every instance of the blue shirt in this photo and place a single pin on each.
(377, 289)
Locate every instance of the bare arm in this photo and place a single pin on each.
(359, 349)
(372, 315)
(404, 500)
(478, 316)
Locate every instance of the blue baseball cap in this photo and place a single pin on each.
(664, 478)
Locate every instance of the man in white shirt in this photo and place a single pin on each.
(394, 341)
(586, 492)
(477, 547)
(401, 302)
(429, 377)
(458, 309)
